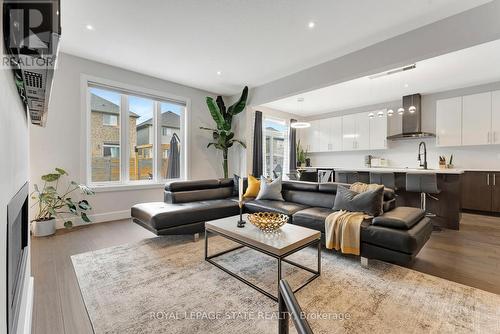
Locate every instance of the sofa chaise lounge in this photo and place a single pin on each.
(395, 236)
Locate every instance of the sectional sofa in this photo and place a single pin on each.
(396, 236)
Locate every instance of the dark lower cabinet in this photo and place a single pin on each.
(481, 191)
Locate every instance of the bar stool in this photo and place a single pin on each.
(425, 184)
(349, 177)
(386, 178)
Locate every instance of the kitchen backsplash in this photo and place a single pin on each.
(404, 154)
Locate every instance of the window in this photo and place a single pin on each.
(111, 150)
(276, 139)
(134, 137)
(110, 120)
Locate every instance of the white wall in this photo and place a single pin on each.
(14, 137)
(60, 143)
(404, 153)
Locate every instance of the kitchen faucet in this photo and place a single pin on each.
(419, 158)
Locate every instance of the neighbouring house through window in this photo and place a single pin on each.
(131, 136)
(275, 142)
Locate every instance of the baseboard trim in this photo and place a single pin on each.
(97, 218)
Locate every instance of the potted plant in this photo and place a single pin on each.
(52, 203)
(301, 155)
(223, 136)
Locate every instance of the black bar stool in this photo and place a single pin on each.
(386, 178)
(345, 176)
(425, 184)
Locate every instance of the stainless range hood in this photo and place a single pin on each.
(412, 122)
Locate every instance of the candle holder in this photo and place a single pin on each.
(241, 222)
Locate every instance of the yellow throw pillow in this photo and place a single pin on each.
(253, 187)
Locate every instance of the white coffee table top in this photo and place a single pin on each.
(288, 238)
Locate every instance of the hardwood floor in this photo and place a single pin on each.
(470, 256)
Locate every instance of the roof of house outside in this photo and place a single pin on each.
(168, 119)
(98, 104)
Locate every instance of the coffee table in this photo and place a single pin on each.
(290, 239)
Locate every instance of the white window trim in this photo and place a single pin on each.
(85, 173)
(285, 167)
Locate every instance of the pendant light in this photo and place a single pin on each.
(371, 115)
(380, 113)
(300, 125)
(390, 112)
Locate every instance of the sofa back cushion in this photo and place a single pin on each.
(197, 190)
(306, 193)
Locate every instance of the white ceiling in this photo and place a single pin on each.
(473, 66)
(250, 42)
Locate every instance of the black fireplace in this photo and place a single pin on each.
(17, 253)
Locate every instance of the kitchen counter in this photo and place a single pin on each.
(393, 169)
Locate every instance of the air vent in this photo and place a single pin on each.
(33, 79)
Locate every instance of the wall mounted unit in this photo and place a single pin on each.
(32, 31)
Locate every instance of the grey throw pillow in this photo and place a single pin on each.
(369, 202)
(270, 190)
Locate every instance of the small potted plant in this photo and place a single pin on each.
(52, 203)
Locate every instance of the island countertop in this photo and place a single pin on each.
(392, 169)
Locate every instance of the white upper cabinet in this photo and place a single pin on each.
(449, 122)
(476, 119)
(349, 133)
(324, 135)
(336, 134)
(495, 116)
(313, 140)
(378, 132)
(362, 131)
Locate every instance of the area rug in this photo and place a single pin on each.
(163, 285)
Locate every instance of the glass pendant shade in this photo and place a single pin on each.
(390, 112)
(401, 111)
(371, 115)
(412, 109)
(380, 113)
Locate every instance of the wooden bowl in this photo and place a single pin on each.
(268, 221)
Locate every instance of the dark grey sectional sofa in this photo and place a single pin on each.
(396, 236)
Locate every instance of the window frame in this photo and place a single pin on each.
(111, 146)
(126, 90)
(286, 123)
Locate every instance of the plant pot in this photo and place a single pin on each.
(43, 228)
(308, 162)
(299, 164)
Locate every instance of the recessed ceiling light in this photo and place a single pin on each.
(219, 73)
(406, 85)
(311, 24)
(89, 27)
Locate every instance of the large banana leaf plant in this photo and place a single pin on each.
(223, 137)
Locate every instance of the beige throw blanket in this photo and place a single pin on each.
(342, 228)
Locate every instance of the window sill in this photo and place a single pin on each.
(102, 188)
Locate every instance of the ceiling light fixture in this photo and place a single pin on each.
(300, 125)
(380, 113)
(390, 112)
(401, 111)
(311, 24)
(412, 108)
(371, 115)
(219, 73)
(393, 71)
(89, 27)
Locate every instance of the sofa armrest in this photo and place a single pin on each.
(403, 218)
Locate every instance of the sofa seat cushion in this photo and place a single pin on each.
(263, 205)
(161, 215)
(312, 218)
(402, 218)
(406, 241)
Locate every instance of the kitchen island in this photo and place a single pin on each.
(448, 203)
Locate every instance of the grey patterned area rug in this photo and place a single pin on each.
(163, 285)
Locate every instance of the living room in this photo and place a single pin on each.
(263, 167)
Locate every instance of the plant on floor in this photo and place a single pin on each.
(301, 154)
(223, 136)
(52, 203)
